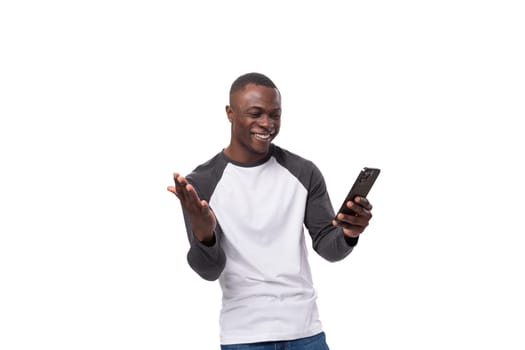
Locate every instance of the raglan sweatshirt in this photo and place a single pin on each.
(259, 252)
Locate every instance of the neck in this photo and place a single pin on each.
(244, 157)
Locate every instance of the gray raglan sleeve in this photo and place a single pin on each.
(207, 260)
(328, 241)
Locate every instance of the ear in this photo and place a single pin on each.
(229, 113)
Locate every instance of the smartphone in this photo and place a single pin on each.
(362, 185)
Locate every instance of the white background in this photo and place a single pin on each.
(101, 101)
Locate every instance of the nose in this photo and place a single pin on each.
(266, 122)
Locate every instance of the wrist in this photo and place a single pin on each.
(351, 241)
(208, 240)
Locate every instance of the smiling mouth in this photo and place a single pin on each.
(263, 137)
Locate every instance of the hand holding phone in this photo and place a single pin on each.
(362, 185)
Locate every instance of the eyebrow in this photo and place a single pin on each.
(262, 109)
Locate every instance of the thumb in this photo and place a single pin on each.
(204, 205)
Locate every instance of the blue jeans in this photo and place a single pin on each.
(316, 342)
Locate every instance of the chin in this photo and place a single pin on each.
(261, 152)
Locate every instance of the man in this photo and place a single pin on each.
(245, 210)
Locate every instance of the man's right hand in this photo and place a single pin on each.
(203, 221)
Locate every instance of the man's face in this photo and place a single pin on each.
(255, 114)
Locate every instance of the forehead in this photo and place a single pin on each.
(258, 96)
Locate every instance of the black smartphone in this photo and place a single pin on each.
(362, 185)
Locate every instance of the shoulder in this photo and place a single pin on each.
(303, 169)
(206, 176)
(290, 159)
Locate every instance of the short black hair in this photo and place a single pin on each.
(251, 78)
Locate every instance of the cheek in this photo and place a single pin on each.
(240, 129)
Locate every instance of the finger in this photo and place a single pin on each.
(181, 186)
(349, 230)
(358, 209)
(362, 201)
(192, 196)
(350, 221)
(179, 180)
(175, 177)
(205, 207)
(173, 190)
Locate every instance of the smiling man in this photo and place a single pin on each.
(255, 115)
(245, 212)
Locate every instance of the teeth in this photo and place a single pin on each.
(263, 136)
